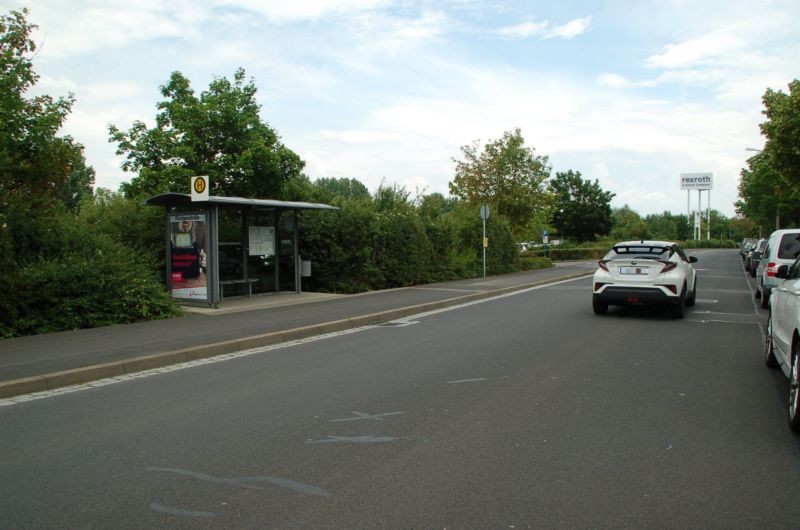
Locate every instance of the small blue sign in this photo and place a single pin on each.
(544, 233)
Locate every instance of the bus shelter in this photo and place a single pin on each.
(231, 245)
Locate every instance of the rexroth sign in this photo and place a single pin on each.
(697, 181)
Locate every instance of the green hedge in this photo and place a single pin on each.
(569, 254)
(710, 243)
(525, 263)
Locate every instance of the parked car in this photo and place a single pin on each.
(783, 246)
(753, 257)
(782, 343)
(745, 246)
(645, 272)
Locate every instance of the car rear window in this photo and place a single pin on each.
(789, 247)
(638, 251)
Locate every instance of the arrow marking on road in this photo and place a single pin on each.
(367, 416)
(247, 482)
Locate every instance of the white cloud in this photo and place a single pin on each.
(544, 30)
(571, 29)
(94, 25)
(711, 48)
(286, 11)
(380, 34)
(614, 81)
(525, 30)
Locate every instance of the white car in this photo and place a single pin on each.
(645, 272)
(782, 344)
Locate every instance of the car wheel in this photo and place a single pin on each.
(794, 402)
(691, 300)
(769, 353)
(752, 272)
(600, 308)
(677, 308)
(764, 298)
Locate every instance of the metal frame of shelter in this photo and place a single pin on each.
(181, 205)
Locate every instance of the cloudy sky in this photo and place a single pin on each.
(632, 93)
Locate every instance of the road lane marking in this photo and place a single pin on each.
(369, 439)
(177, 511)
(466, 381)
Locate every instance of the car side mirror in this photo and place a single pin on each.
(692, 259)
(782, 272)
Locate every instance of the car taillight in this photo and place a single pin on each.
(772, 269)
(668, 265)
(602, 264)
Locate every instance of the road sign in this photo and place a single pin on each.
(485, 212)
(200, 187)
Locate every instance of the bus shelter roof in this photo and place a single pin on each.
(185, 199)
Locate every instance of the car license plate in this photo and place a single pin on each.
(633, 270)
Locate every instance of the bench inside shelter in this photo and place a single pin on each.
(247, 282)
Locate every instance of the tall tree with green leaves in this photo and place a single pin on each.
(35, 163)
(627, 224)
(582, 210)
(765, 194)
(782, 150)
(506, 175)
(219, 134)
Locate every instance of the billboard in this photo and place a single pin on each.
(697, 181)
(188, 256)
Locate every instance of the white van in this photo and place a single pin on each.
(783, 246)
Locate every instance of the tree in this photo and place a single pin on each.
(765, 195)
(79, 184)
(770, 185)
(35, 164)
(506, 175)
(219, 134)
(627, 224)
(782, 130)
(329, 189)
(666, 226)
(581, 209)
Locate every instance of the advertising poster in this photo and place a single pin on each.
(188, 256)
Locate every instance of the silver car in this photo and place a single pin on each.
(783, 246)
(782, 344)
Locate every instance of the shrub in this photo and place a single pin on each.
(90, 280)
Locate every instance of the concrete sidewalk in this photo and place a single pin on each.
(44, 362)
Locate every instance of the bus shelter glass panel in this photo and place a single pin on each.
(286, 259)
(230, 246)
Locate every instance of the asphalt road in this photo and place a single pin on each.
(523, 411)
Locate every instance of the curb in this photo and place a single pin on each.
(77, 376)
